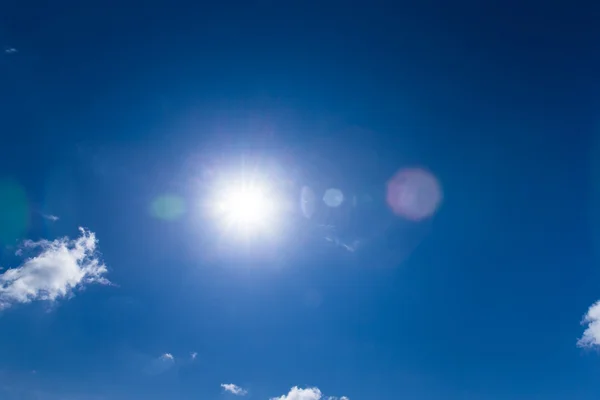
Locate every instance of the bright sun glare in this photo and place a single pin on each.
(248, 207)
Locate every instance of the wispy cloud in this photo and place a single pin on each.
(60, 267)
(591, 336)
(160, 365)
(313, 393)
(234, 389)
(50, 217)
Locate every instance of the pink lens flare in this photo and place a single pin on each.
(414, 193)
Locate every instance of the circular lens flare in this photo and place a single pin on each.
(414, 193)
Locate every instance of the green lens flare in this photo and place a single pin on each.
(167, 207)
(14, 212)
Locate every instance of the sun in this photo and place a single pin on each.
(246, 207)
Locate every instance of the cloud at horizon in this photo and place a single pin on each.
(311, 393)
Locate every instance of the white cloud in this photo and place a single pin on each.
(591, 336)
(50, 217)
(60, 267)
(234, 389)
(313, 393)
(160, 365)
(297, 393)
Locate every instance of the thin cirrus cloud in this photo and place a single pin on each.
(60, 267)
(313, 393)
(50, 217)
(234, 389)
(591, 335)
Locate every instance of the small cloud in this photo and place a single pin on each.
(60, 267)
(297, 393)
(234, 389)
(313, 393)
(591, 336)
(160, 365)
(50, 217)
(193, 355)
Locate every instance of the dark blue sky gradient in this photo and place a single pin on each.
(107, 105)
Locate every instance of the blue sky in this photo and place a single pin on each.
(123, 124)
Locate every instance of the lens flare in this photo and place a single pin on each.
(167, 207)
(333, 197)
(414, 194)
